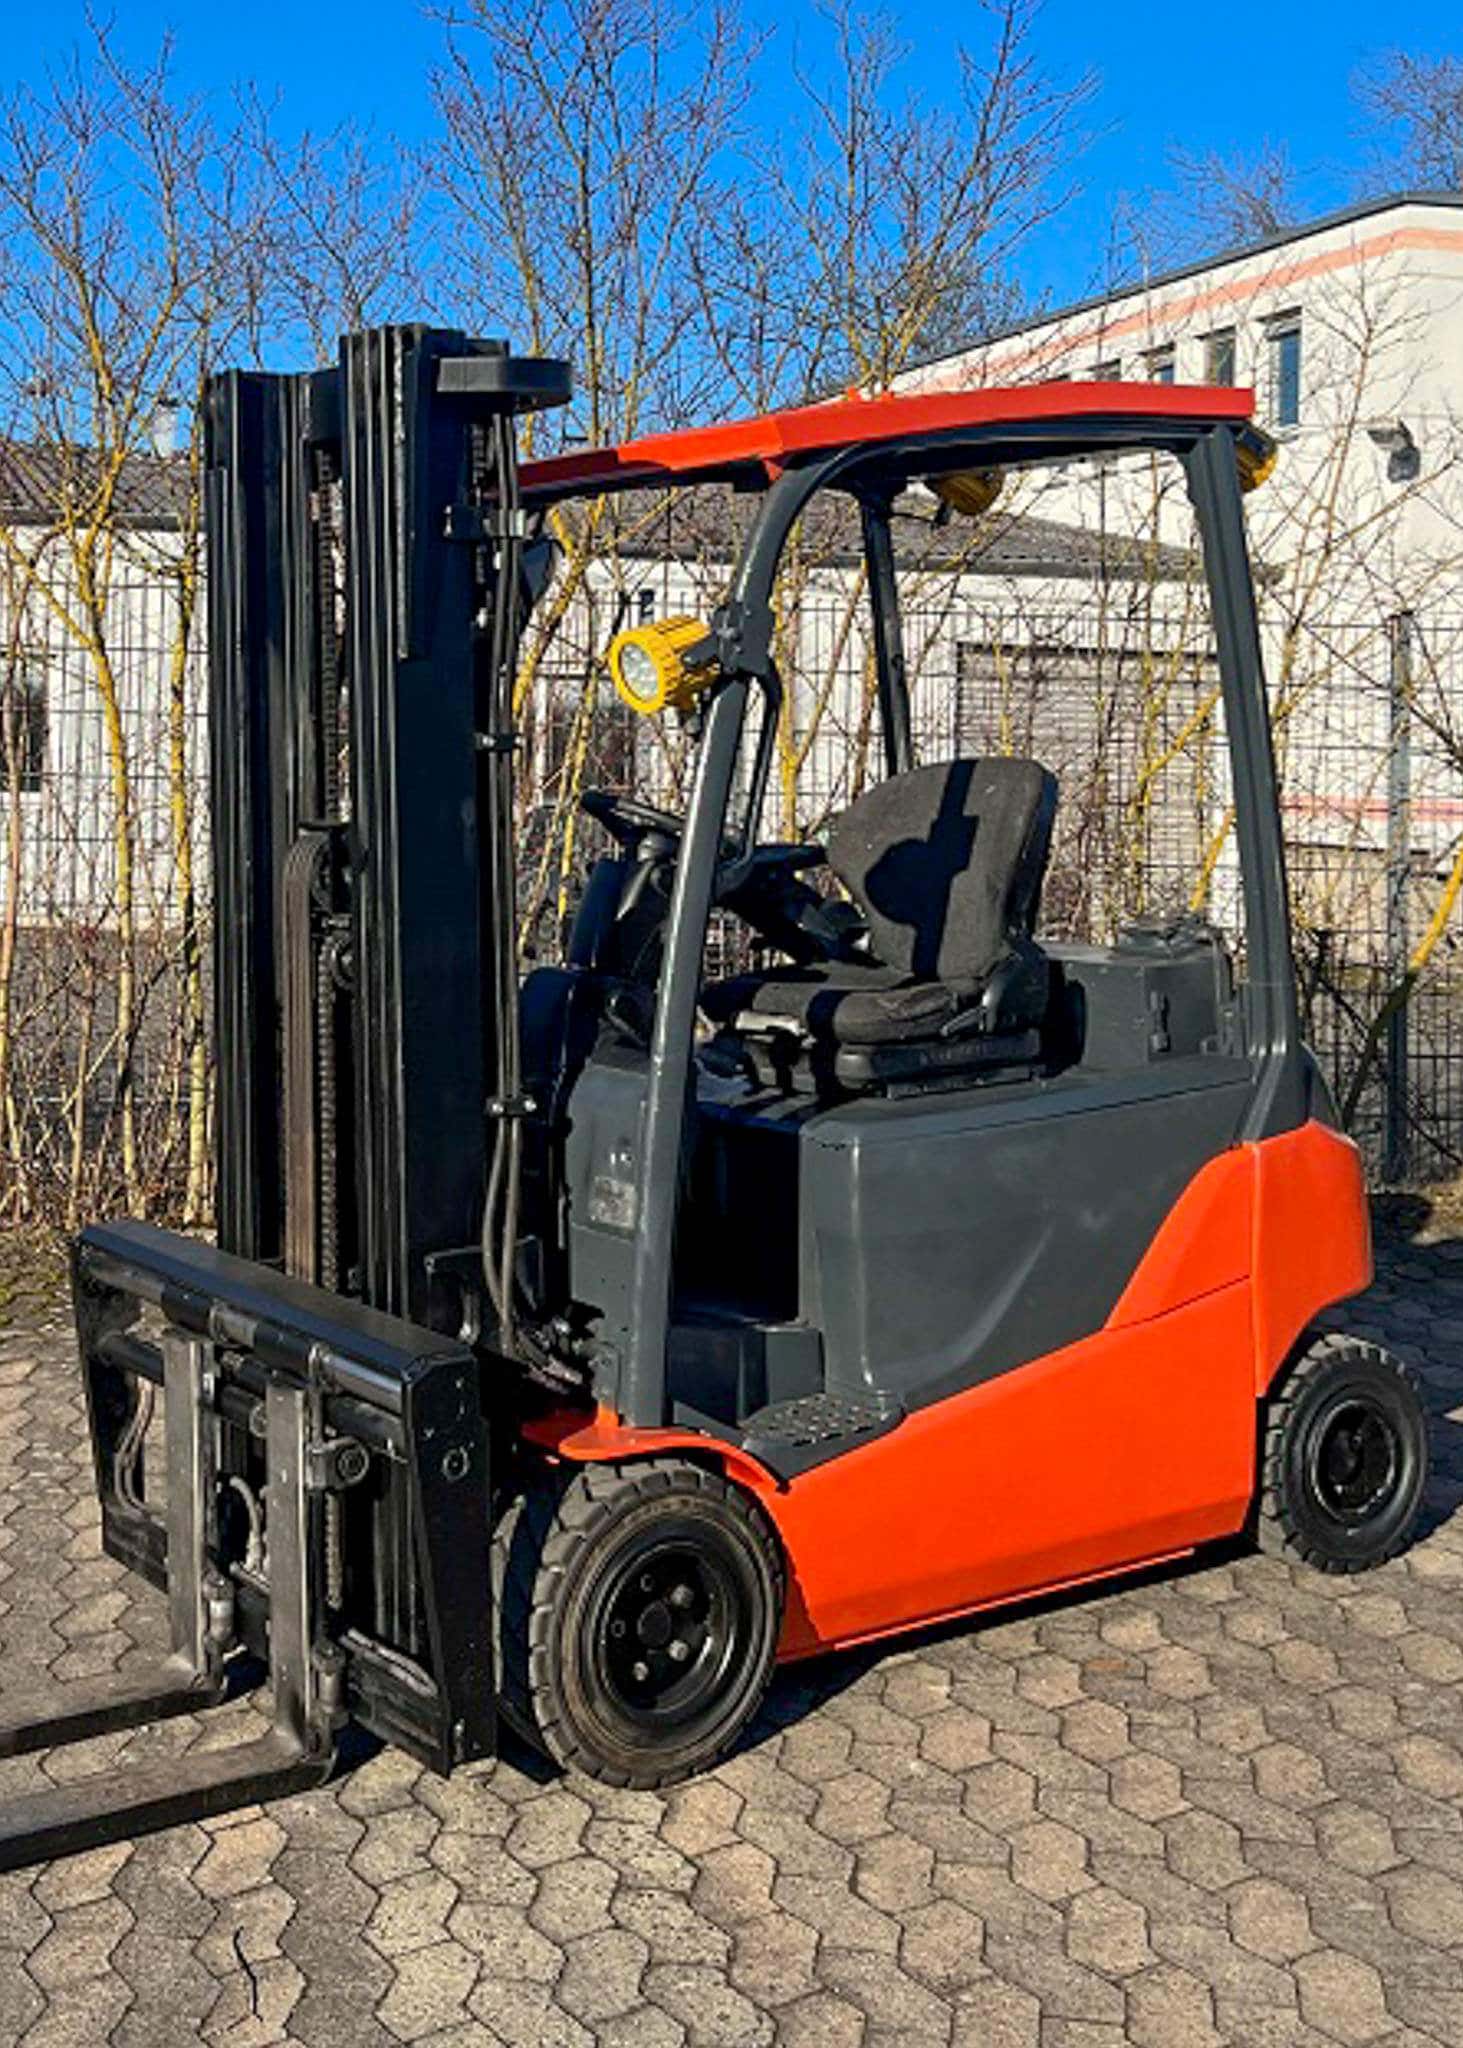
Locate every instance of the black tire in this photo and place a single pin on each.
(1344, 1458)
(639, 1607)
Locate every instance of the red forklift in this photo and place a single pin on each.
(579, 1344)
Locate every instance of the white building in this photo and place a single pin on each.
(1350, 331)
(1348, 328)
(100, 683)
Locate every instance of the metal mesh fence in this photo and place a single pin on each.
(102, 770)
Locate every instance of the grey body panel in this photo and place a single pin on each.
(604, 1167)
(1130, 1005)
(945, 1240)
(899, 1248)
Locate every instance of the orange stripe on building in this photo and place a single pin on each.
(1214, 297)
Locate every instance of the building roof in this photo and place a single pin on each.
(706, 527)
(1345, 216)
(38, 478)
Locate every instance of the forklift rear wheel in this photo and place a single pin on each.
(1344, 1458)
(639, 1609)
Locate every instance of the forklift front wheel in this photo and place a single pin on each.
(1344, 1457)
(639, 1607)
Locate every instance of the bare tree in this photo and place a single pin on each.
(343, 242)
(1416, 103)
(1219, 199)
(878, 226)
(129, 217)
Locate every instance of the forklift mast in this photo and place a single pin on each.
(364, 544)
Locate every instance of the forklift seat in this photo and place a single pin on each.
(946, 863)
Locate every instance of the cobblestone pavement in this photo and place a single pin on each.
(1224, 1805)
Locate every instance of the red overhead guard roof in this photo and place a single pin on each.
(739, 447)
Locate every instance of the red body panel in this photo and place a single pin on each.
(1313, 1237)
(1134, 1444)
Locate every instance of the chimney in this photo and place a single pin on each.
(163, 432)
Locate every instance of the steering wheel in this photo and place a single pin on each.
(626, 818)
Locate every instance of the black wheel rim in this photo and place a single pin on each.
(1356, 1460)
(671, 1625)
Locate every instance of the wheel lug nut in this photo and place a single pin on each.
(681, 1596)
(640, 1672)
(679, 1651)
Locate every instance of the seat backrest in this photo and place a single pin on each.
(947, 862)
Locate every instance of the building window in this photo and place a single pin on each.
(644, 606)
(1219, 357)
(1283, 341)
(23, 726)
(1158, 365)
(1108, 372)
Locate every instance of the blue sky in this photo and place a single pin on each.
(1163, 78)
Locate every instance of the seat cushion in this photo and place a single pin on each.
(842, 1004)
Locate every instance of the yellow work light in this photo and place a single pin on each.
(969, 491)
(651, 668)
(1256, 453)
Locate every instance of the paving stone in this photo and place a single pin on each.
(893, 1872)
(173, 1993)
(1431, 1766)
(430, 1990)
(80, 1944)
(851, 1808)
(239, 1858)
(602, 1974)
(1050, 1860)
(1148, 1786)
(1063, 1988)
(573, 1898)
(504, 1943)
(412, 1913)
(1095, 1730)
(821, 2021)
(1108, 1932)
(998, 2015)
(1205, 1850)
(942, 1944)
(1426, 1905)
(22, 2002)
(396, 1844)
(956, 1739)
(1270, 1919)
(774, 1960)
(703, 1815)
(1342, 1996)
(1000, 1796)
(1170, 2008)
(80, 2015)
(710, 2009)
(526, 2016)
(256, 2006)
(889, 1996)
(81, 1880)
(1356, 1838)
(735, 1883)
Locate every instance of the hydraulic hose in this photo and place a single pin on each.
(500, 1232)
